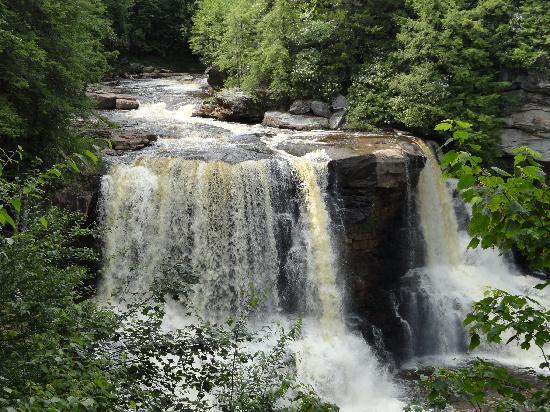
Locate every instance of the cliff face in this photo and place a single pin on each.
(375, 194)
(527, 119)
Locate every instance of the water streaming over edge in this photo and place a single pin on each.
(221, 218)
(439, 294)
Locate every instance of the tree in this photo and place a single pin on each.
(49, 52)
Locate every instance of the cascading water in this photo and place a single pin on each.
(241, 226)
(437, 296)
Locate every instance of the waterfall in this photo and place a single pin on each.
(261, 225)
(437, 296)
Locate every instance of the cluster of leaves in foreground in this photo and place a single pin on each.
(509, 209)
(61, 352)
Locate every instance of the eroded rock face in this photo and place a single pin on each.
(232, 105)
(374, 192)
(297, 122)
(528, 123)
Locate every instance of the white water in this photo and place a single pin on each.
(454, 277)
(220, 219)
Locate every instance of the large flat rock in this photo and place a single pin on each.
(293, 121)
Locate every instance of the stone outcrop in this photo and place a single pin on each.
(527, 121)
(335, 112)
(320, 109)
(231, 105)
(340, 102)
(122, 140)
(111, 101)
(297, 122)
(131, 140)
(374, 191)
(300, 107)
(81, 196)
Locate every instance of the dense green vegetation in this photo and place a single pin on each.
(406, 64)
(150, 27)
(49, 52)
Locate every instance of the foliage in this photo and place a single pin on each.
(509, 208)
(144, 27)
(521, 316)
(50, 50)
(483, 385)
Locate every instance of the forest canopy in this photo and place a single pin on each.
(405, 64)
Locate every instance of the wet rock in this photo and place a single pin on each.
(111, 101)
(232, 105)
(131, 140)
(339, 103)
(372, 192)
(80, 196)
(126, 104)
(297, 122)
(300, 107)
(337, 119)
(103, 100)
(320, 109)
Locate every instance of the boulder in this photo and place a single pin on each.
(339, 103)
(231, 105)
(110, 101)
(300, 107)
(103, 100)
(126, 104)
(297, 122)
(131, 140)
(216, 78)
(320, 109)
(337, 119)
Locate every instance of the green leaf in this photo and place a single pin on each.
(43, 222)
(73, 164)
(474, 342)
(90, 156)
(16, 203)
(463, 125)
(473, 243)
(5, 217)
(465, 182)
(443, 126)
